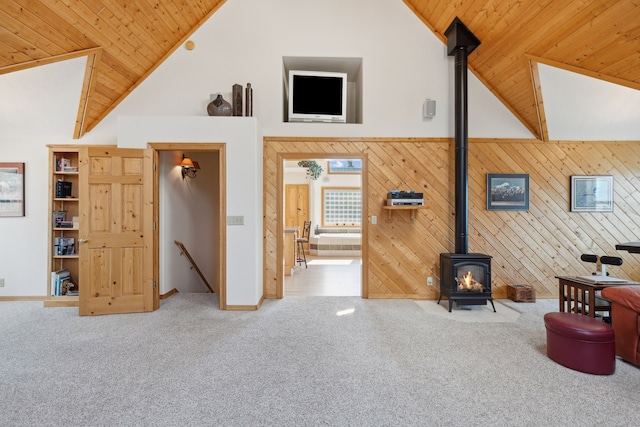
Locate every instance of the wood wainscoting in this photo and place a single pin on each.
(528, 247)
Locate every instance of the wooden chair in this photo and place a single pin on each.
(301, 241)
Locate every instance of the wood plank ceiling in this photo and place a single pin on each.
(597, 38)
(127, 40)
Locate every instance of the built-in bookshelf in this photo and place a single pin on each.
(64, 228)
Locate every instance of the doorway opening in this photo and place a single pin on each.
(190, 209)
(334, 203)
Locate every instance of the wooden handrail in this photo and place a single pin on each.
(185, 252)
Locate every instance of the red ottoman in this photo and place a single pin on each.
(580, 342)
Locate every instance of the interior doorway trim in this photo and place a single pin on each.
(364, 229)
(221, 257)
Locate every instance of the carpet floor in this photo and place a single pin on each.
(299, 361)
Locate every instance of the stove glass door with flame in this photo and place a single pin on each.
(471, 277)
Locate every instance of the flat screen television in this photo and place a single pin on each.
(317, 96)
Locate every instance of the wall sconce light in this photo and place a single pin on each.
(189, 167)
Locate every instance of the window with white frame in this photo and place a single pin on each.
(341, 207)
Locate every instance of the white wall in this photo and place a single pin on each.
(23, 262)
(38, 106)
(244, 185)
(187, 213)
(400, 69)
(588, 108)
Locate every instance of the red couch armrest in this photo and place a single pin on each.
(626, 296)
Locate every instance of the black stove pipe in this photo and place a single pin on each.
(460, 43)
(461, 152)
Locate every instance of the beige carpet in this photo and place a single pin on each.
(297, 361)
(471, 313)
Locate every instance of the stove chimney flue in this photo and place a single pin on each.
(460, 43)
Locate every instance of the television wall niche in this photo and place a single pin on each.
(351, 66)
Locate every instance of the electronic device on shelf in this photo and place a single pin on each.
(404, 198)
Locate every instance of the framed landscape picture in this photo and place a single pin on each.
(508, 191)
(592, 193)
(11, 189)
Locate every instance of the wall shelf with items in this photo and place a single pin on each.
(412, 210)
(64, 227)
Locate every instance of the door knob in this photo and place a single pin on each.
(83, 241)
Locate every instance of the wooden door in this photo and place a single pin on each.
(296, 205)
(116, 237)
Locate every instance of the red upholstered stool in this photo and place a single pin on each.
(580, 342)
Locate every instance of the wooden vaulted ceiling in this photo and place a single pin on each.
(126, 40)
(597, 38)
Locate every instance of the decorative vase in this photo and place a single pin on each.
(236, 99)
(248, 97)
(219, 107)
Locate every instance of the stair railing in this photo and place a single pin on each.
(185, 252)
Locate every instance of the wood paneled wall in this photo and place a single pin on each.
(528, 247)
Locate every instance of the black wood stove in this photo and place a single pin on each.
(464, 277)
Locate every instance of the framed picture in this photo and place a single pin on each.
(345, 166)
(508, 191)
(11, 189)
(591, 193)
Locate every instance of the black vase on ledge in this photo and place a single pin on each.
(219, 107)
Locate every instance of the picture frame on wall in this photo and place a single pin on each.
(591, 193)
(345, 166)
(508, 191)
(11, 189)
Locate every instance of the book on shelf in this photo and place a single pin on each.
(67, 246)
(66, 285)
(63, 189)
(57, 278)
(64, 245)
(58, 217)
(61, 163)
(70, 169)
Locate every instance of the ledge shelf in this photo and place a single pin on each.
(411, 209)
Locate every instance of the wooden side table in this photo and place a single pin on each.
(583, 294)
